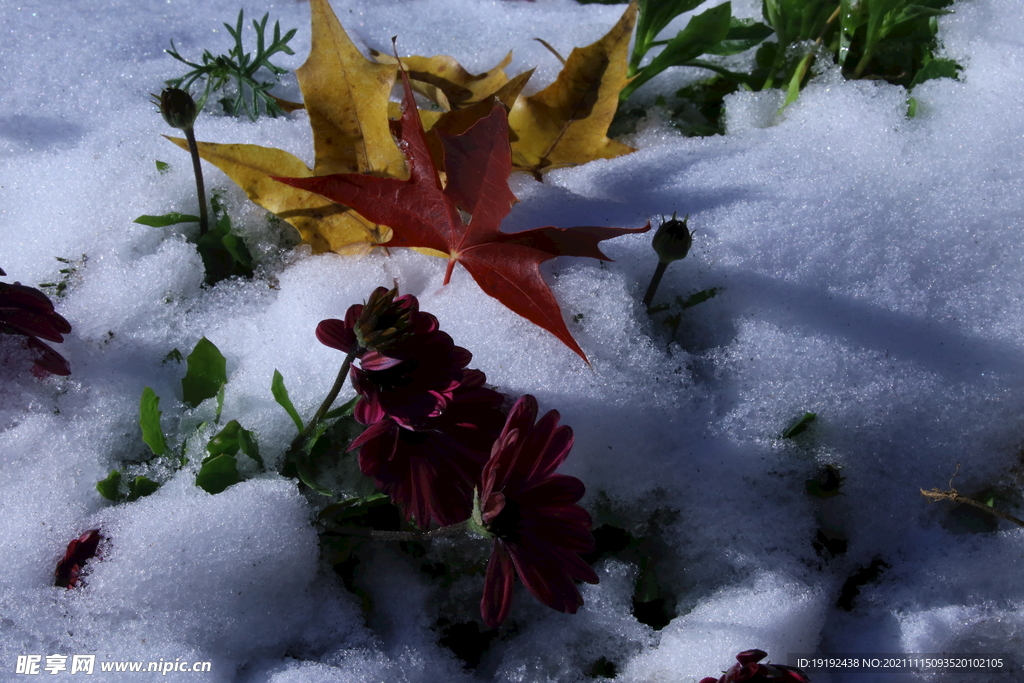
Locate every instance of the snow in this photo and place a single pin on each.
(870, 268)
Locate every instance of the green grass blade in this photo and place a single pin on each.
(280, 392)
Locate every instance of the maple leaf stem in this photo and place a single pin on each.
(448, 272)
(193, 148)
(653, 287)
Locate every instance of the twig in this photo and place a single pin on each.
(551, 49)
(953, 495)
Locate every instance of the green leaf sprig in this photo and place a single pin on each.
(252, 97)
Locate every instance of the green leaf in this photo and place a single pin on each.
(242, 68)
(743, 34)
(700, 297)
(217, 473)
(163, 221)
(206, 374)
(911, 107)
(704, 32)
(647, 582)
(108, 487)
(796, 20)
(162, 166)
(343, 410)
(653, 17)
(232, 439)
(800, 426)
(826, 482)
(149, 422)
(349, 511)
(224, 255)
(141, 486)
(220, 404)
(307, 477)
(936, 68)
(303, 468)
(280, 392)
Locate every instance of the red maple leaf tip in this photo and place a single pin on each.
(27, 312)
(539, 531)
(79, 551)
(423, 213)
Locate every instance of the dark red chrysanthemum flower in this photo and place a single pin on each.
(408, 368)
(431, 472)
(539, 531)
(748, 670)
(27, 312)
(382, 320)
(79, 551)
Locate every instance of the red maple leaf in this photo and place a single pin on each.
(422, 213)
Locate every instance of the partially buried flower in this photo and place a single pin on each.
(430, 473)
(539, 531)
(748, 670)
(408, 368)
(78, 553)
(27, 312)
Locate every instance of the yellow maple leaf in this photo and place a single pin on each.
(566, 123)
(346, 96)
(446, 82)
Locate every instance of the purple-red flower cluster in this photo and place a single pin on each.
(78, 553)
(748, 670)
(539, 531)
(435, 435)
(430, 420)
(27, 312)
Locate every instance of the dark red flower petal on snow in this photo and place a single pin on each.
(748, 670)
(27, 312)
(47, 360)
(539, 530)
(79, 551)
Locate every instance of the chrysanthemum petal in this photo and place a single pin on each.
(498, 587)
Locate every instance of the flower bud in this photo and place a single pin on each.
(672, 240)
(178, 108)
(384, 319)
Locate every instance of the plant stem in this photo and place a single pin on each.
(954, 495)
(204, 221)
(653, 287)
(339, 381)
(381, 535)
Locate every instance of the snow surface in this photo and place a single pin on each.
(872, 271)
